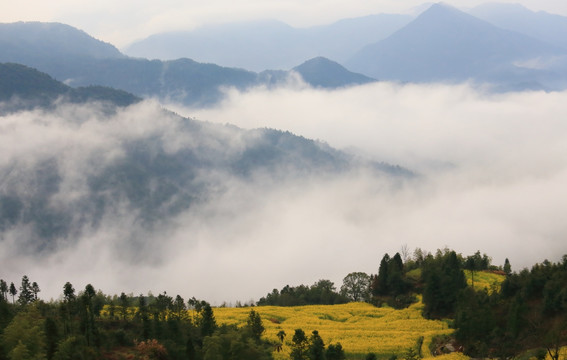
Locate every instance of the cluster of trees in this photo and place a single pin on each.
(529, 312)
(313, 347)
(391, 285)
(27, 294)
(91, 325)
(323, 292)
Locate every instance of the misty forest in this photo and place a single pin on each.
(256, 190)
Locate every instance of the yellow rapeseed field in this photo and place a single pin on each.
(360, 328)
(485, 280)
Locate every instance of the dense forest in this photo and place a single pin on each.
(526, 314)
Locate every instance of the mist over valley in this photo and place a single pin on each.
(225, 180)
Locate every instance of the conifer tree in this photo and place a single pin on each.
(26, 294)
(300, 345)
(4, 289)
(507, 267)
(254, 323)
(208, 322)
(316, 347)
(35, 289)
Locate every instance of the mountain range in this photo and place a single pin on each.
(80, 60)
(441, 44)
(261, 45)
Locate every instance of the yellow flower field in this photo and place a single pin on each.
(485, 280)
(359, 327)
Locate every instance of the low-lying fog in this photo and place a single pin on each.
(492, 177)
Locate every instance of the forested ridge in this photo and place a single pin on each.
(523, 314)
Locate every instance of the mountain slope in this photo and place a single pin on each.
(540, 25)
(22, 87)
(23, 41)
(143, 166)
(445, 44)
(322, 72)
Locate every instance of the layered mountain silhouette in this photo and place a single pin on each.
(445, 44)
(442, 44)
(262, 45)
(92, 62)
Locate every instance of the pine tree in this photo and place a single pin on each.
(208, 322)
(300, 345)
(507, 267)
(13, 291)
(316, 347)
(380, 285)
(26, 292)
(4, 289)
(254, 323)
(35, 289)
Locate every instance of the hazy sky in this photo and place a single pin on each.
(121, 22)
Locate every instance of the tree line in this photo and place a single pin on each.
(91, 325)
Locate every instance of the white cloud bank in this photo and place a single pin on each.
(493, 174)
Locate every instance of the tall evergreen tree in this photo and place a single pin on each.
(207, 321)
(254, 323)
(35, 289)
(4, 289)
(507, 267)
(316, 347)
(299, 345)
(26, 293)
(380, 285)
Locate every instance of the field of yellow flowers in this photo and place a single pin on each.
(360, 328)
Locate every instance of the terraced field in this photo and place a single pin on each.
(359, 327)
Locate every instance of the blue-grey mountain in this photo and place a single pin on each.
(445, 44)
(22, 87)
(540, 25)
(322, 72)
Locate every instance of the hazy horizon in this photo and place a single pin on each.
(121, 23)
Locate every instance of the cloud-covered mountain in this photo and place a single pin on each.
(80, 165)
(541, 25)
(445, 44)
(262, 45)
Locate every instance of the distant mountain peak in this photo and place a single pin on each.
(447, 44)
(53, 39)
(322, 72)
